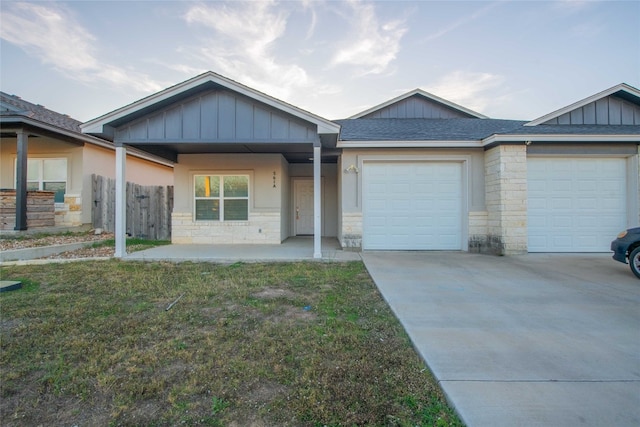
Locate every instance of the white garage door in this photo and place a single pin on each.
(575, 205)
(412, 206)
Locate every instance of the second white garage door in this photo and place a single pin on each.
(412, 206)
(575, 204)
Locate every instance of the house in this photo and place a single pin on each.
(41, 149)
(414, 173)
(432, 175)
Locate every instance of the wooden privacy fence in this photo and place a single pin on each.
(148, 208)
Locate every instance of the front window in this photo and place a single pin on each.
(222, 197)
(48, 175)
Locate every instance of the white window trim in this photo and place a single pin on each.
(221, 198)
(41, 181)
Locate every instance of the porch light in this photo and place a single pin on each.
(352, 169)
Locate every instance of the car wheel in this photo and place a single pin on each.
(634, 261)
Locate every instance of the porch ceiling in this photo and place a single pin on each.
(293, 153)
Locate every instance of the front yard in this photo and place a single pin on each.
(122, 343)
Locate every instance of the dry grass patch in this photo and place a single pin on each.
(291, 344)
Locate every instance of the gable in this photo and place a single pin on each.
(616, 106)
(217, 116)
(416, 107)
(418, 104)
(610, 110)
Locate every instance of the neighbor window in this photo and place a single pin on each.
(222, 197)
(47, 175)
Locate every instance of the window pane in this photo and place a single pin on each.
(236, 186)
(33, 186)
(58, 187)
(55, 170)
(207, 209)
(33, 170)
(207, 186)
(236, 210)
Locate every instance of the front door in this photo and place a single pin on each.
(303, 207)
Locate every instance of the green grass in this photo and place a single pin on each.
(133, 243)
(290, 344)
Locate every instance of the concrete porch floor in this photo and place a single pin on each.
(292, 249)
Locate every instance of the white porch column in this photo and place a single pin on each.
(121, 202)
(317, 204)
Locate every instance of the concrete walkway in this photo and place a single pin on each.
(292, 249)
(532, 340)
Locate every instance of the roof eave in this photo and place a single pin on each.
(410, 144)
(524, 138)
(84, 138)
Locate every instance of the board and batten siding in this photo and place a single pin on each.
(416, 107)
(217, 116)
(611, 110)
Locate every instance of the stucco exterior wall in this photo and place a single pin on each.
(102, 161)
(69, 213)
(82, 162)
(265, 202)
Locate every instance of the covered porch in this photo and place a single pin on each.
(236, 153)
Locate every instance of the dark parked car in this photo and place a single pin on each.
(627, 247)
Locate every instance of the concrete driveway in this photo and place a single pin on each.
(531, 340)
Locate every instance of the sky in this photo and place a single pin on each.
(504, 59)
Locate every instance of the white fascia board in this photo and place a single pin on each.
(560, 138)
(97, 125)
(621, 87)
(424, 94)
(409, 144)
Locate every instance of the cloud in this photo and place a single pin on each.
(246, 35)
(473, 90)
(372, 46)
(50, 33)
(460, 22)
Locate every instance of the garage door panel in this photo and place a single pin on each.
(575, 204)
(425, 215)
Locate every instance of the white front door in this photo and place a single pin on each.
(303, 207)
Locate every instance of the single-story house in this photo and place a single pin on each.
(41, 149)
(414, 173)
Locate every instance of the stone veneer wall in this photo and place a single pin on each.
(506, 199)
(478, 232)
(351, 231)
(69, 214)
(261, 228)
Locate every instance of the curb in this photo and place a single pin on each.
(50, 261)
(41, 251)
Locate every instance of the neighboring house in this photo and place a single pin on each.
(62, 159)
(414, 173)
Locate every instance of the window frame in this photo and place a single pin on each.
(41, 181)
(221, 197)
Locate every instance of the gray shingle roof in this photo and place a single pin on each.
(578, 130)
(424, 129)
(36, 112)
(462, 129)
